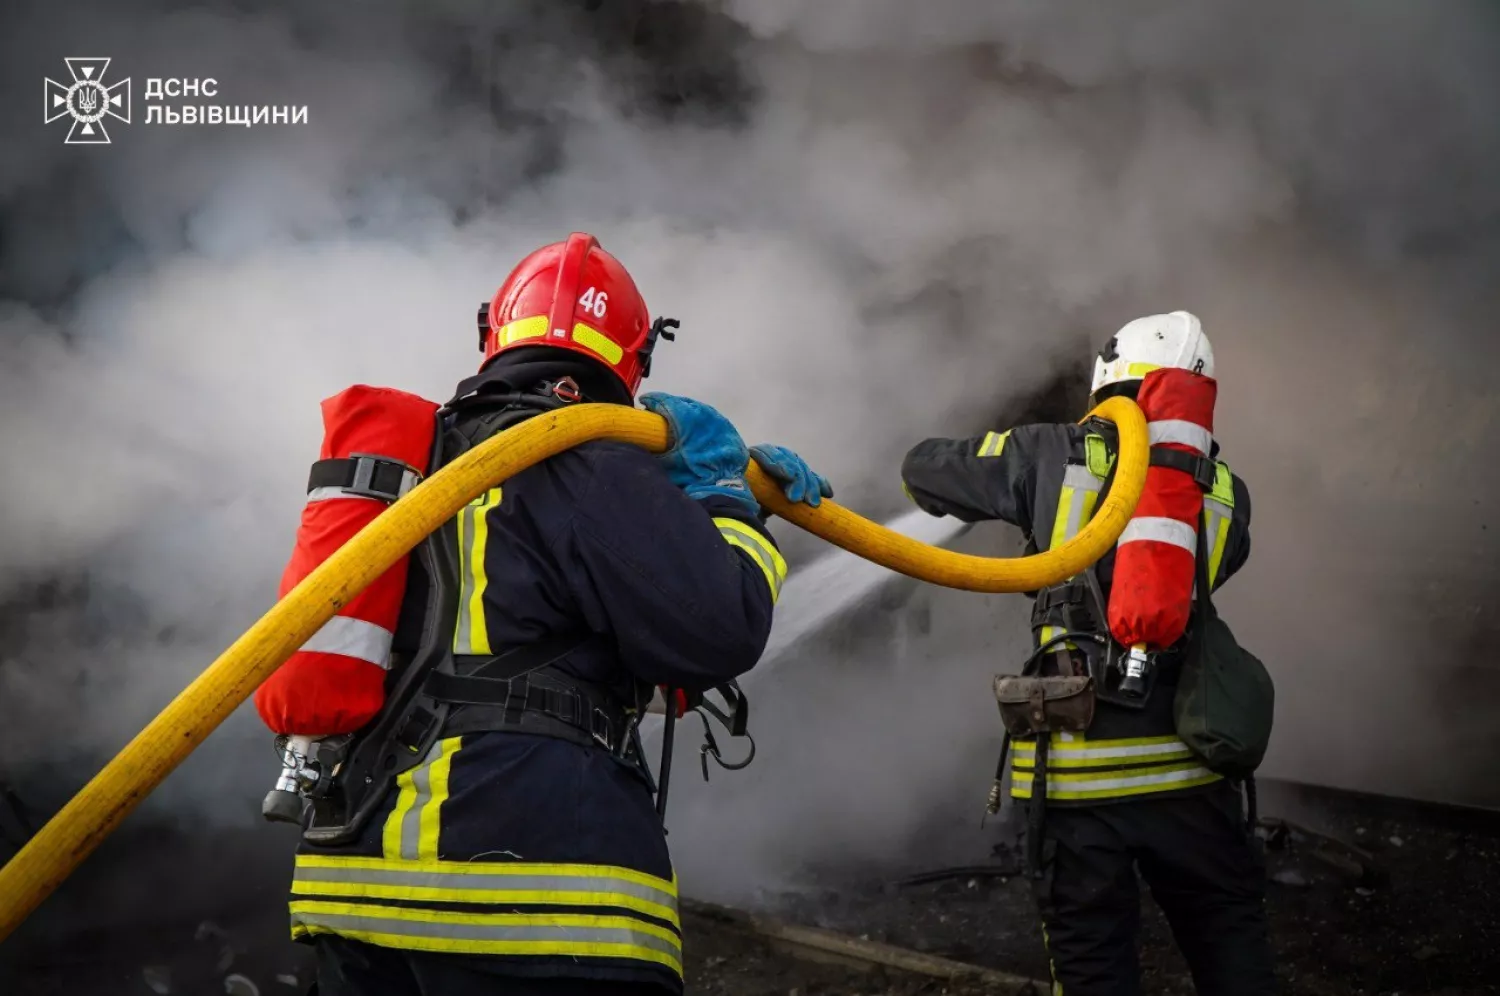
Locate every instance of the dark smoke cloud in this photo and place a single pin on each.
(877, 220)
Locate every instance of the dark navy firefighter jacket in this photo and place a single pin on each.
(531, 855)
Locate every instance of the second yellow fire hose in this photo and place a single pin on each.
(100, 806)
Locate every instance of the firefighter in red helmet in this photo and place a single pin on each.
(575, 296)
(520, 850)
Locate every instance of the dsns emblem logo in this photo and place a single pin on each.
(88, 101)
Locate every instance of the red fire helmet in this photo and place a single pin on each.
(572, 295)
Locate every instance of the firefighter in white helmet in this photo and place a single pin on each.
(1107, 780)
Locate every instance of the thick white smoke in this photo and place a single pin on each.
(883, 221)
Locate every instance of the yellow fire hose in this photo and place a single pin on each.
(92, 814)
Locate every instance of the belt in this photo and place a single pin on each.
(543, 701)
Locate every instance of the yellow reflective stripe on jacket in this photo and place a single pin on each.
(1114, 784)
(1216, 522)
(1218, 512)
(993, 443)
(574, 935)
(1080, 768)
(472, 634)
(1075, 503)
(1075, 507)
(412, 829)
(766, 556)
(504, 883)
(1103, 753)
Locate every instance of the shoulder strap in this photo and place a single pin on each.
(1203, 471)
(1091, 573)
(1205, 598)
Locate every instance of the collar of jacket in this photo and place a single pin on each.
(529, 371)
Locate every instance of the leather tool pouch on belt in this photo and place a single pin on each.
(1038, 707)
(1031, 706)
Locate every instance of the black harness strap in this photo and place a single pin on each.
(1200, 468)
(364, 475)
(521, 691)
(486, 680)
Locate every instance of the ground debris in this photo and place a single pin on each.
(239, 985)
(158, 979)
(733, 953)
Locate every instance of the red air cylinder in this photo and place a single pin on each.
(1152, 592)
(336, 682)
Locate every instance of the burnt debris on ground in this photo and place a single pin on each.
(1366, 895)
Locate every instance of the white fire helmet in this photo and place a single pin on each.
(1153, 342)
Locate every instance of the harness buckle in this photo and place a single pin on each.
(367, 466)
(600, 729)
(567, 391)
(1203, 470)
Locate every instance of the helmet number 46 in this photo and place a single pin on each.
(594, 301)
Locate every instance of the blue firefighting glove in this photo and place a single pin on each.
(798, 481)
(707, 457)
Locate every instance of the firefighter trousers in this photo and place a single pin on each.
(353, 968)
(1204, 868)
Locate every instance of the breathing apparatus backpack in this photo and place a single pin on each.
(377, 445)
(344, 745)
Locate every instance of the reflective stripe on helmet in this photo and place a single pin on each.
(596, 341)
(524, 328)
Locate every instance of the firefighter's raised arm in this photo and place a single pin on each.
(975, 479)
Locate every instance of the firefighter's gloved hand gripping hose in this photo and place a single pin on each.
(79, 827)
